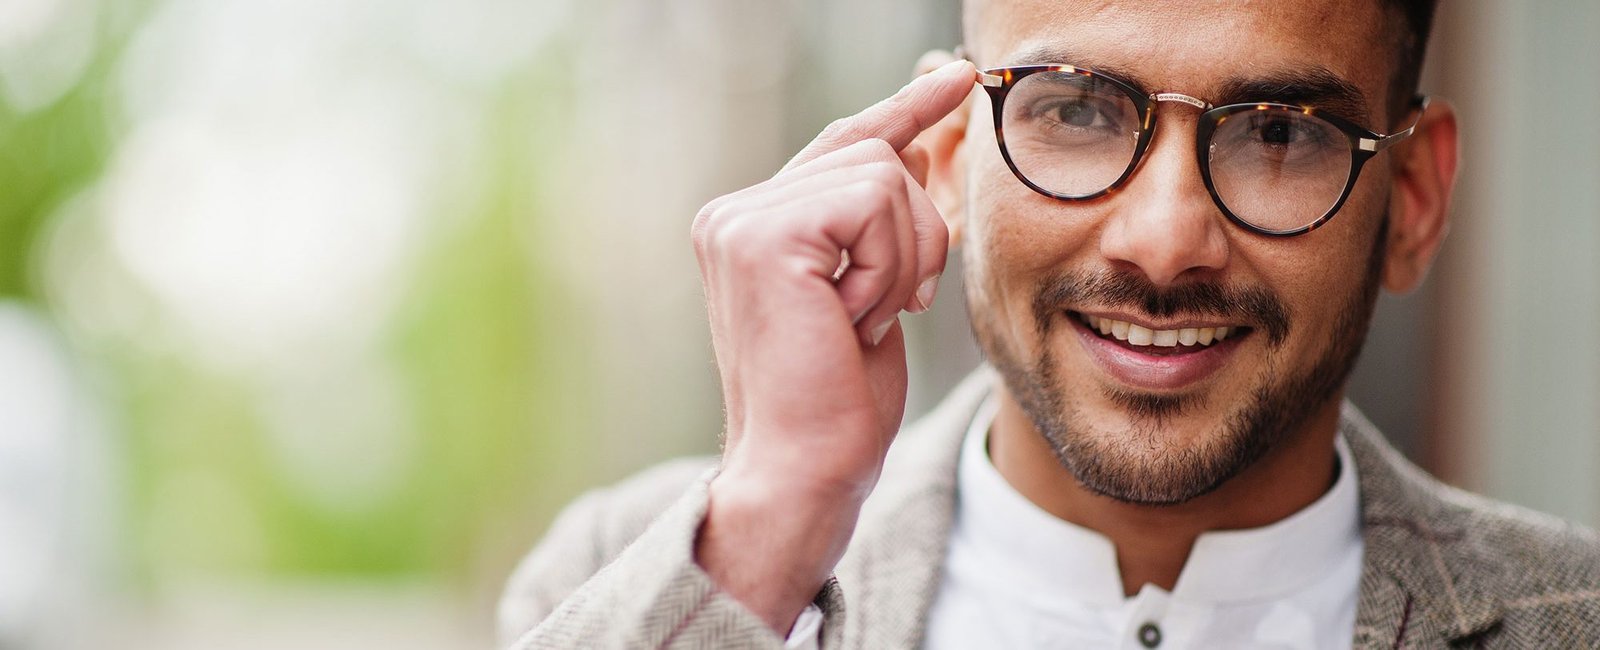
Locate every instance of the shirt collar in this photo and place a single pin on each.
(1225, 566)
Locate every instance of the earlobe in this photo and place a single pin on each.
(1419, 208)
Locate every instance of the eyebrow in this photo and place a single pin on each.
(1313, 86)
(1056, 55)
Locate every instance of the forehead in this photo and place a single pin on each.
(1193, 46)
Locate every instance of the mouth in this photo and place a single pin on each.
(1158, 356)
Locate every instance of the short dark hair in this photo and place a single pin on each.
(1415, 24)
(1410, 22)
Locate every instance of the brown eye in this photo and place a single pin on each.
(1079, 114)
(1277, 132)
(1286, 131)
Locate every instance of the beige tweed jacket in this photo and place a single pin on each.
(1442, 568)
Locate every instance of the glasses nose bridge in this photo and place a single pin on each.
(1156, 99)
(1150, 119)
(1181, 98)
(1143, 154)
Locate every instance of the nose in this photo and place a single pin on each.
(1163, 223)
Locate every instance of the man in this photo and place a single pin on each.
(1175, 218)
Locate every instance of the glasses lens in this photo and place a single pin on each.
(1069, 133)
(1278, 169)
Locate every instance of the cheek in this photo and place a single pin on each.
(1016, 239)
(1317, 275)
(1020, 232)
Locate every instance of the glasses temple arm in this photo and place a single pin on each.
(1384, 142)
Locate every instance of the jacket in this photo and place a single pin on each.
(1442, 567)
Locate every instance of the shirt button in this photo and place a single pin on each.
(1149, 635)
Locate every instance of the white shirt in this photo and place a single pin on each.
(1016, 576)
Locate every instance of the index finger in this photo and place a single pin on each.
(898, 119)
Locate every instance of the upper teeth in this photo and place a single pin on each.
(1140, 335)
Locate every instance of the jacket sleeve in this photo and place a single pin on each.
(570, 593)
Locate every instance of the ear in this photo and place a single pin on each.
(1419, 209)
(942, 146)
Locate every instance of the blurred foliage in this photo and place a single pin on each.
(46, 156)
(485, 348)
(483, 367)
(488, 346)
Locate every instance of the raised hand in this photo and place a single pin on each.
(812, 361)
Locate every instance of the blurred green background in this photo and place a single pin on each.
(313, 313)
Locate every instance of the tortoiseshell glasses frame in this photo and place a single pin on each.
(1363, 143)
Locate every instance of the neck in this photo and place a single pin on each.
(1153, 542)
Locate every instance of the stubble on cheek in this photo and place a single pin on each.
(1140, 461)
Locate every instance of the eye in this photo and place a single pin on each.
(1079, 113)
(1074, 112)
(1283, 131)
(1060, 110)
(1277, 132)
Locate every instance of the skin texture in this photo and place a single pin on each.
(813, 370)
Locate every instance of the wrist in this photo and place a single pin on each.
(771, 545)
(795, 482)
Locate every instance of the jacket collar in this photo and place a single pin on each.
(1420, 581)
(892, 566)
(1413, 592)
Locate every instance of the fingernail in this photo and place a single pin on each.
(861, 315)
(926, 291)
(880, 331)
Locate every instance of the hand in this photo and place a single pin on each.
(813, 368)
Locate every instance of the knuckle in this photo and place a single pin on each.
(738, 242)
(941, 238)
(938, 247)
(886, 175)
(934, 233)
(719, 233)
(839, 130)
(751, 247)
(873, 197)
(708, 221)
(701, 225)
(880, 149)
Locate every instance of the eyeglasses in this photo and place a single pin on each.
(1275, 169)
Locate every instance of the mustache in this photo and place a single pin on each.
(1253, 305)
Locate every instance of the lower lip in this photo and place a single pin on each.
(1152, 372)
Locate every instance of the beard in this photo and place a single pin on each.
(1136, 465)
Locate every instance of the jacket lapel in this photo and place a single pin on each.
(1388, 616)
(892, 570)
(1420, 585)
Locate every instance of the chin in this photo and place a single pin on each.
(1163, 451)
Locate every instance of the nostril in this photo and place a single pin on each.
(1165, 239)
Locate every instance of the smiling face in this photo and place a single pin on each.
(1157, 347)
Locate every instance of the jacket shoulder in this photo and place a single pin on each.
(1517, 548)
(1539, 555)
(588, 534)
(1478, 567)
(1543, 573)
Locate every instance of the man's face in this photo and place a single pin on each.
(1148, 423)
